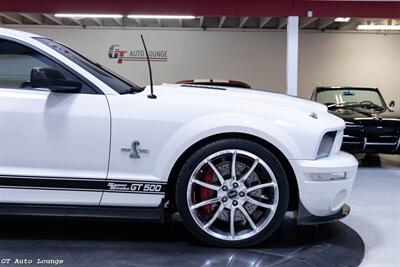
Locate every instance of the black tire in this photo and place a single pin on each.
(240, 144)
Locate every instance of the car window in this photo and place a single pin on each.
(17, 61)
(337, 96)
(116, 82)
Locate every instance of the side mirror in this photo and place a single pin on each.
(392, 104)
(53, 80)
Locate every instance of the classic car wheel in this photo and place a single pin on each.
(232, 193)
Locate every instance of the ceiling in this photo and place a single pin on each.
(252, 8)
(200, 22)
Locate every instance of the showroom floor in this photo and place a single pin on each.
(375, 214)
(119, 244)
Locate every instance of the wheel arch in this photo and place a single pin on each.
(293, 186)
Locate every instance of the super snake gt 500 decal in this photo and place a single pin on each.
(136, 187)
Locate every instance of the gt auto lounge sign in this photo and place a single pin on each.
(121, 55)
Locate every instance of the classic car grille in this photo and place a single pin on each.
(380, 130)
(372, 138)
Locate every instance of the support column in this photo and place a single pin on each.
(292, 57)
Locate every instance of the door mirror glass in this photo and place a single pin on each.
(53, 80)
(392, 104)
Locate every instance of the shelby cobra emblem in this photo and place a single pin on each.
(135, 150)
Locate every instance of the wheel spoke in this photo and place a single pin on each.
(260, 186)
(206, 185)
(206, 202)
(258, 203)
(220, 178)
(249, 219)
(217, 213)
(244, 178)
(232, 222)
(233, 166)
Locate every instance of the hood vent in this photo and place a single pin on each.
(203, 86)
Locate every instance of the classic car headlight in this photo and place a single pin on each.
(325, 147)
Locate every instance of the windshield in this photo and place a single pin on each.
(350, 95)
(116, 82)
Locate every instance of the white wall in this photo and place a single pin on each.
(350, 59)
(258, 58)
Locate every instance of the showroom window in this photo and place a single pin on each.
(17, 61)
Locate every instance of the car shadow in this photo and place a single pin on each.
(371, 161)
(391, 161)
(288, 234)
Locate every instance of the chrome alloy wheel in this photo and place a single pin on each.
(232, 195)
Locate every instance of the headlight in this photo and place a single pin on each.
(325, 147)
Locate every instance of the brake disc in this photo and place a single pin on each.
(225, 170)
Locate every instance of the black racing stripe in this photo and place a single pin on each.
(84, 184)
(49, 188)
(50, 177)
(52, 183)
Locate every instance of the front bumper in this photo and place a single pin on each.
(325, 197)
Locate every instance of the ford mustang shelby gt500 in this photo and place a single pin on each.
(78, 140)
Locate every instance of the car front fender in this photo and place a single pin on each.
(210, 125)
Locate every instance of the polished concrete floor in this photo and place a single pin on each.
(375, 211)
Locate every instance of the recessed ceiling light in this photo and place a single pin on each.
(161, 17)
(341, 19)
(379, 27)
(82, 16)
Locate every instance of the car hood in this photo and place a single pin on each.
(251, 98)
(359, 115)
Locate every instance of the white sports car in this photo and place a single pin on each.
(78, 140)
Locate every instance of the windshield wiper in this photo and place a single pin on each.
(343, 104)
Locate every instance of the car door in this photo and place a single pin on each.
(54, 147)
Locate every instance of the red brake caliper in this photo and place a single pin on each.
(206, 193)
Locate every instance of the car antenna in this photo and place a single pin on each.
(151, 95)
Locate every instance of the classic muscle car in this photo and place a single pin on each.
(78, 140)
(371, 125)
